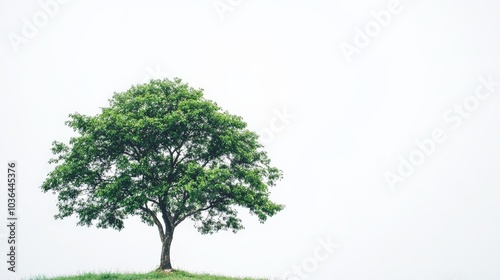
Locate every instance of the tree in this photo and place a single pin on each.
(163, 152)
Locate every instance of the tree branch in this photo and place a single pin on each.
(185, 197)
(155, 219)
(210, 205)
(192, 213)
(167, 217)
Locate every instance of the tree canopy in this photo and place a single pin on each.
(163, 152)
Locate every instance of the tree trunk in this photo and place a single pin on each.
(165, 252)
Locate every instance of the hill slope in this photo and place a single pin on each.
(177, 275)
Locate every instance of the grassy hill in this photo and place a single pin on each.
(181, 275)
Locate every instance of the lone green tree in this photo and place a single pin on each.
(163, 152)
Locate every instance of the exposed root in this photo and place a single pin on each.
(166, 271)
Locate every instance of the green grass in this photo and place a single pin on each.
(181, 275)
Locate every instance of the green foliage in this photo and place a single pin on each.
(163, 152)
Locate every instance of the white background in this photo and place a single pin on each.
(351, 123)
